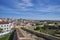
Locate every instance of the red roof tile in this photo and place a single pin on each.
(4, 22)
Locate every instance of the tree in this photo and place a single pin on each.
(37, 28)
(37, 24)
(1, 29)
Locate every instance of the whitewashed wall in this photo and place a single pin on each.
(6, 27)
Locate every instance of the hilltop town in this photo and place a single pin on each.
(29, 29)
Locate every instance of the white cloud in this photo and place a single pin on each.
(49, 9)
(44, 9)
(25, 3)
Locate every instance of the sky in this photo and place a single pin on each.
(30, 9)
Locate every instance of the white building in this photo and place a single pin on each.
(0, 20)
(6, 26)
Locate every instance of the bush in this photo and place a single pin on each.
(37, 28)
(1, 29)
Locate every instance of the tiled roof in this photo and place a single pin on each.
(4, 22)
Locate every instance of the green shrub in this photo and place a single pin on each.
(1, 29)
(37, 28)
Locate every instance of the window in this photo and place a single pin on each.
(4, 28)
(1, 25)
(7, 25)
(7, 28)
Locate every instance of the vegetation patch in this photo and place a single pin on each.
(48, 30)
(1, 30)
(7, 37)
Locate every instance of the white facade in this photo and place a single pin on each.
(0, 20)
(6, 27)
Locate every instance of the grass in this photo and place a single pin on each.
(50, 31)
(7, 37)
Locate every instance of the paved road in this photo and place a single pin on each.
(15, 36)
(20, 33)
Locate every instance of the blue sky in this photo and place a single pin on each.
(30, 9)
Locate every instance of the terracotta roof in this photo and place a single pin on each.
(4, 22)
